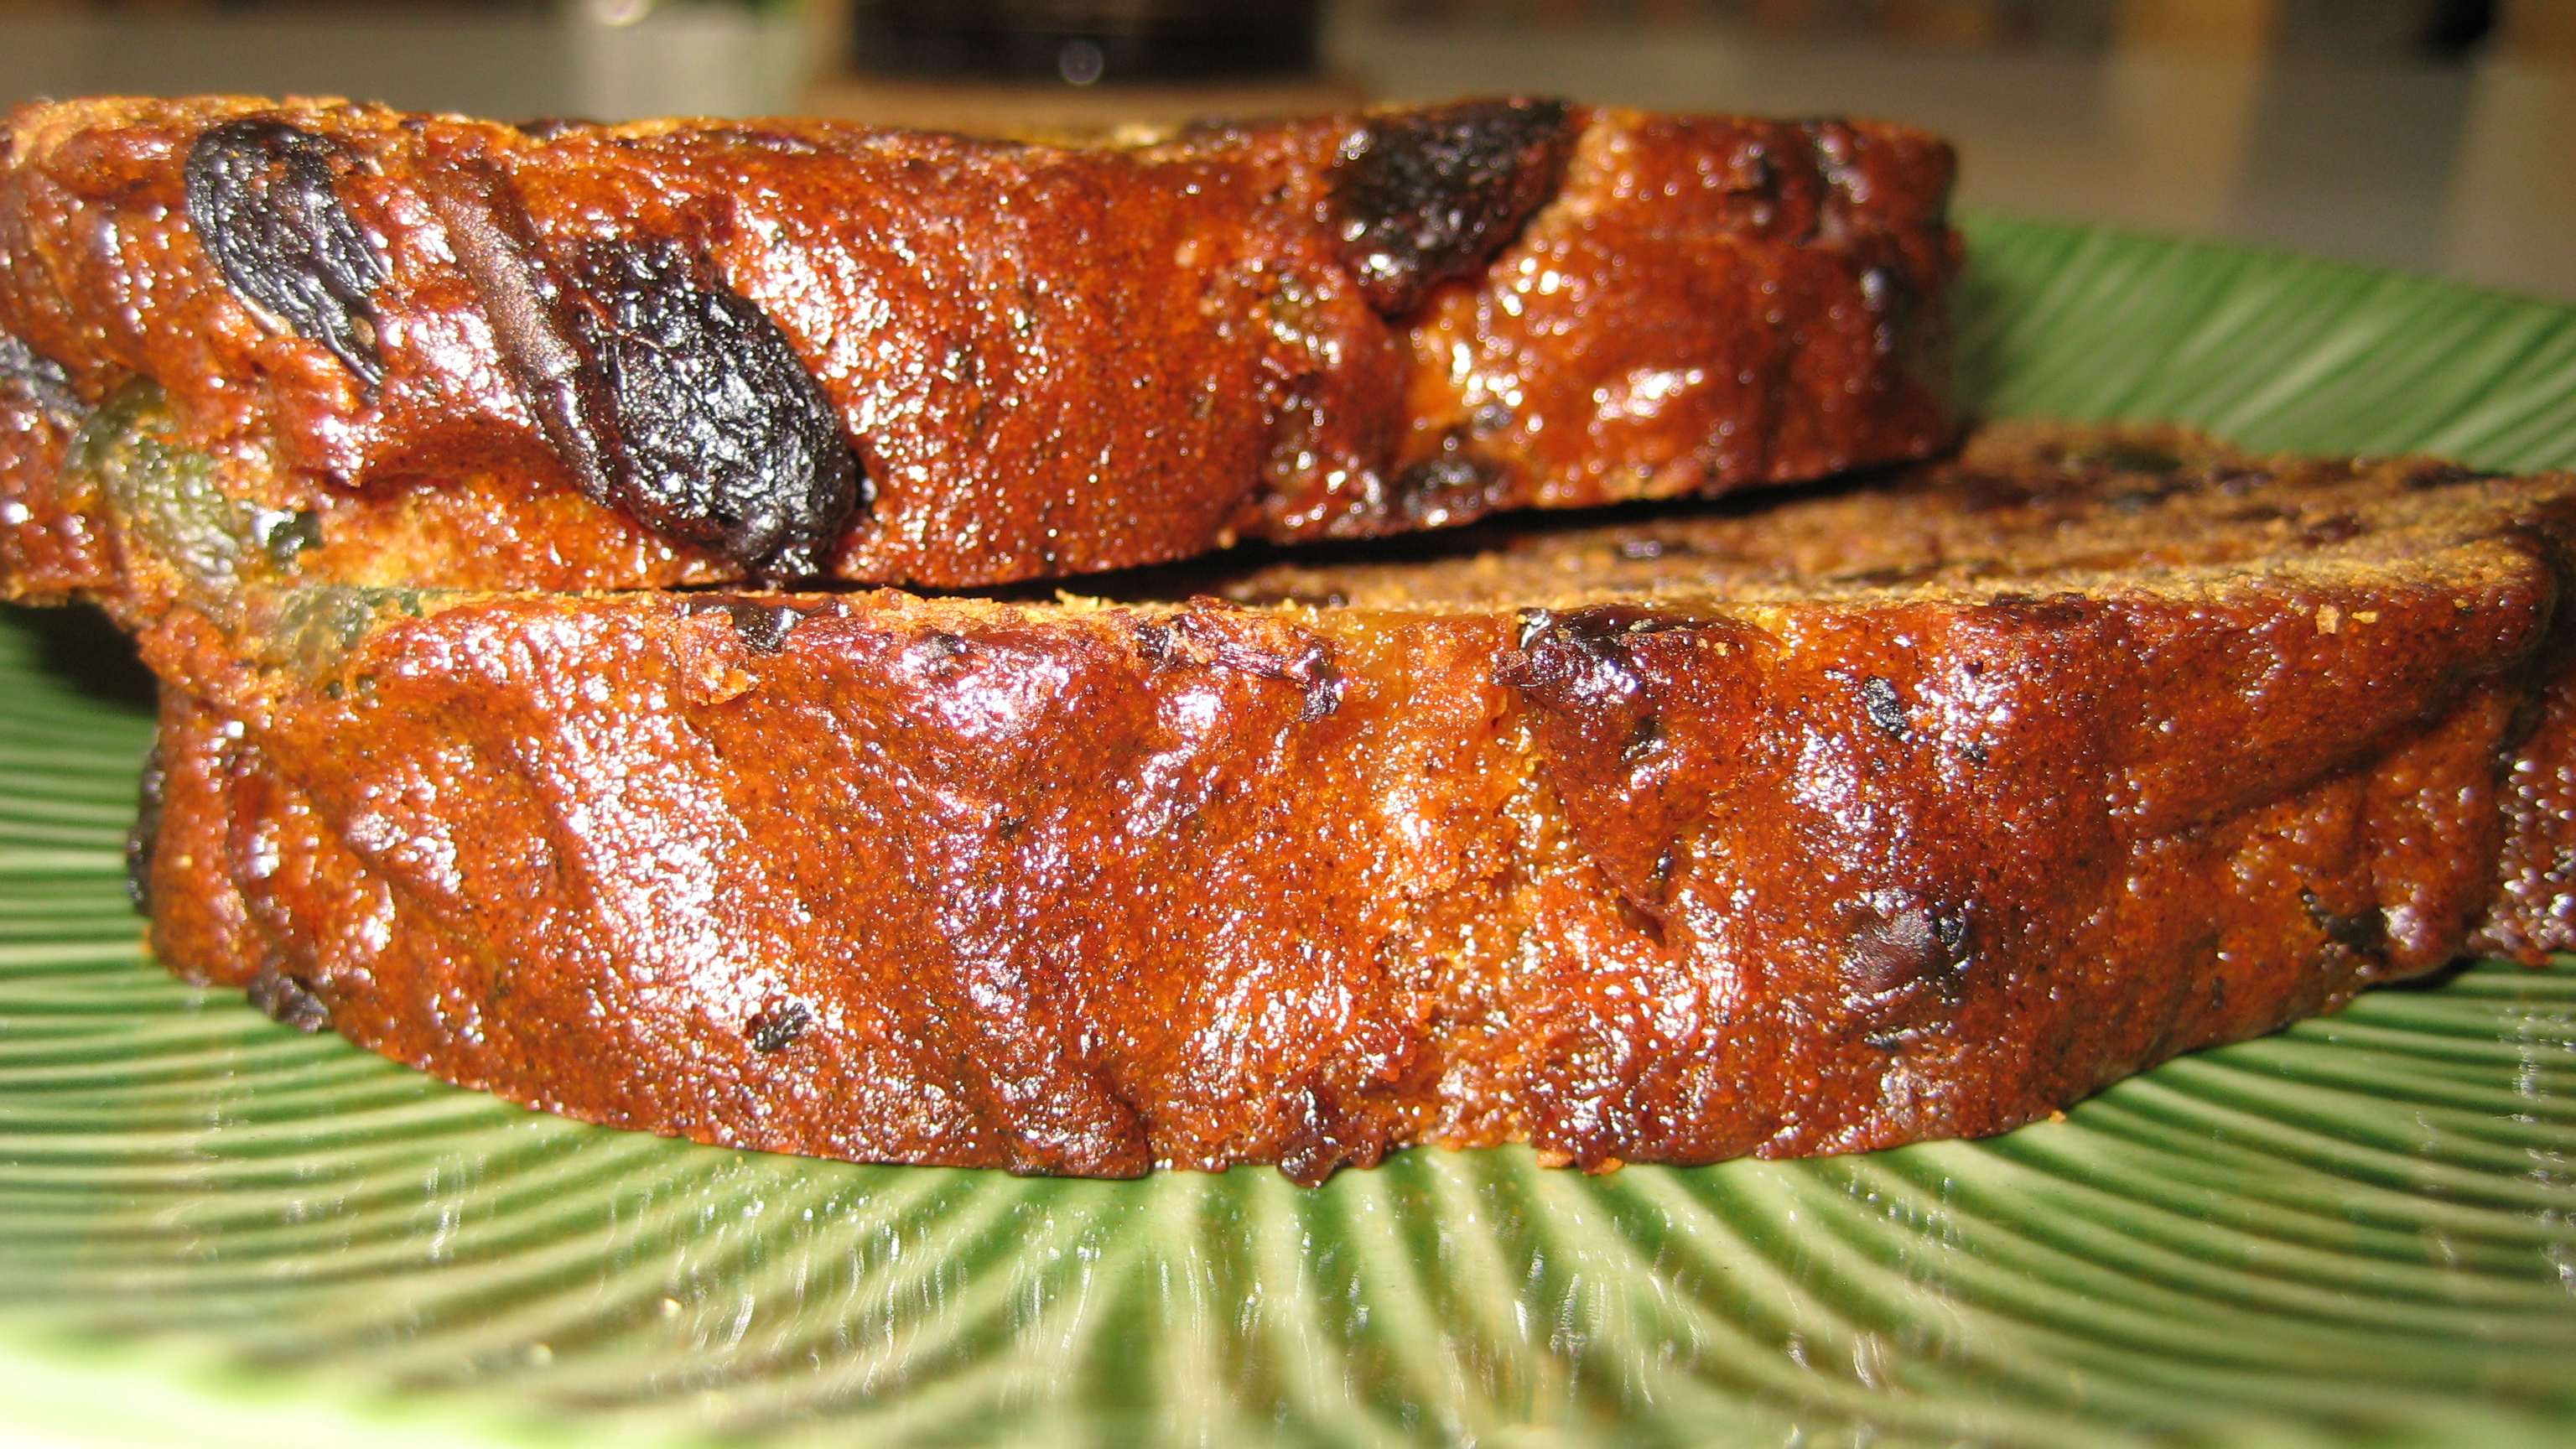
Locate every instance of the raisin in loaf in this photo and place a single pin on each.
(428, 351)
(1868, 817)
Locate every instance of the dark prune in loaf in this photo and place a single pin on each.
(262, 198)
(1424, 197)
(712, 432)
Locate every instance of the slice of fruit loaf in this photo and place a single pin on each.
(428, 351)
(1867, 817)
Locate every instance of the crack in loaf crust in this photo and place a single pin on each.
(1667, 841)
(451, 342)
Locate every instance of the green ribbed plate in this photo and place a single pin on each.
(214, 1231)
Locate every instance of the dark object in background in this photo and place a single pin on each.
(2456, 26)
(1084, 41)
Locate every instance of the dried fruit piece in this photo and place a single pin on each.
(664, 392)
(716, 433)
(775, 1028)
(261, 198)
(1886, 708)
(1425, 196)
(40, 380)
(1624, 695)
(1449, 487)
(170, 506)
(288, 999)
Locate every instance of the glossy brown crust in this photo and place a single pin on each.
(1667, 841)
(55, 536)
(1049, 361)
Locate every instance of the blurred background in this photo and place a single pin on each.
(2434, 135)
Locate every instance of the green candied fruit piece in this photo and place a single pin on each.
(165, 496)
(311, 629)
(285, 535)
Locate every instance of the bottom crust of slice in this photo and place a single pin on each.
(1678, 841)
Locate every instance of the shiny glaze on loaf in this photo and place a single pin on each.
(1045, 360)
(1743, 832)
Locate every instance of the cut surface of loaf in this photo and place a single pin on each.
(427, 351)
(1865, 817)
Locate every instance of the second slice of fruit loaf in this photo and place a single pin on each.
(435, 352)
